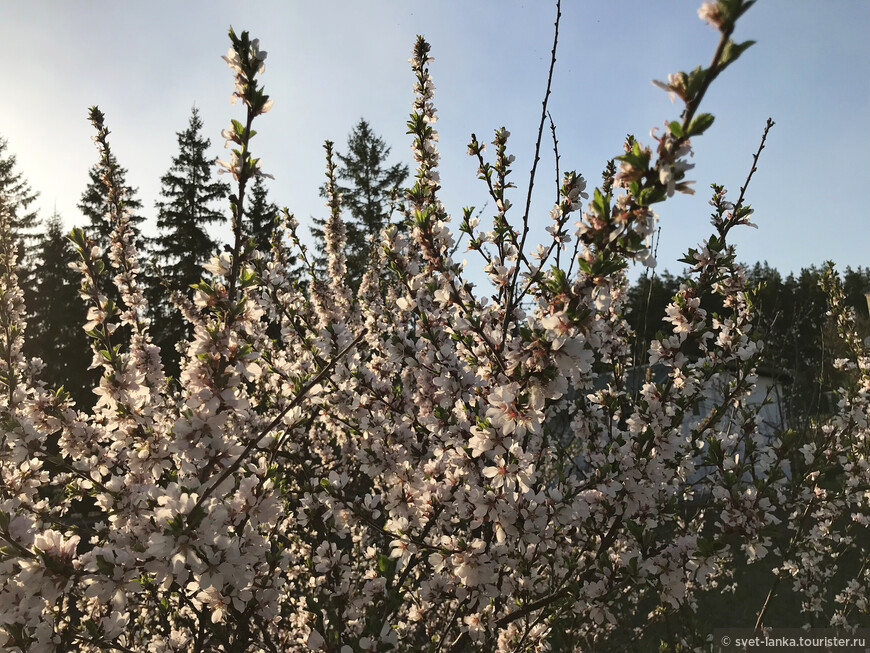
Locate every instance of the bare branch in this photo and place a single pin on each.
(512, 285)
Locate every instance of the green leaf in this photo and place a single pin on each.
(700, 124)
(175, 526)
(92, 628)
(652, 195)
(77, 236)
(558, 282)
(601, 204)
(733, 50)
(104, 566)
(605, 266)
(386, 565)
(636, 149)
(689, 258)
(707, 546)
(694, 82)
(729, 9)
(195, 518)
(676, 129)
(743, 211)
(635, 529)
(746, 5)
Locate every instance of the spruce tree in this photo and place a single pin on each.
(93, 206)
(16, 197)
(366, 185)
(56, 316)
(791, 316)
(184, 243)
(260, 215)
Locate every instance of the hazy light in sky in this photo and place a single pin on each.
(330, 63)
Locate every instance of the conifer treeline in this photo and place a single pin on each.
(800, 345)
(189, 216)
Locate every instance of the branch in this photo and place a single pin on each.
(712, 73)
(253, 443)
(754, 168)
(512, 285)
(556, 152)
(606, 541)
(558, 176)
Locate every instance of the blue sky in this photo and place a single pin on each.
(330, 63)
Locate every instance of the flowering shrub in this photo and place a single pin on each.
(419, 467)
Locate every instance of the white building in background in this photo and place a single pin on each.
(768, 396)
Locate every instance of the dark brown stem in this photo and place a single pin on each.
(755, 157)
(509, 305)
(558, 176)
(606, 541)
(449, 623)
(5, 535)
(556, 152)
(712, 73)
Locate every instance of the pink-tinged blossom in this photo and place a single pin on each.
(675, 86)
(507, 414)
(482, 453)
(711, 14)
(53, 543)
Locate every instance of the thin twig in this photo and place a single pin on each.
(711, 74)
(757, 154)
(556, 152)
(606, 542)
(558, 175)
(448, 625)
(509, 306)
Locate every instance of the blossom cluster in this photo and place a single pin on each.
(422, 465)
